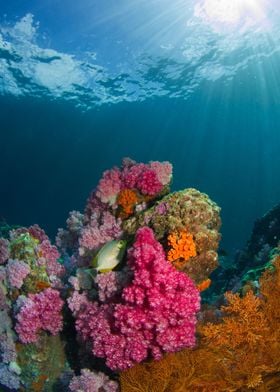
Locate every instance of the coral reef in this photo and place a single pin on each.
(186, 211)
(126, 303)
(120, 289)
(237, 351)
(120, 193)
(30, 284)
(156, 312)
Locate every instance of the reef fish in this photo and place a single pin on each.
(109, 256)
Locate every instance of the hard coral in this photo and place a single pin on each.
(190, 211)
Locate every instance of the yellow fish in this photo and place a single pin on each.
(109, 256)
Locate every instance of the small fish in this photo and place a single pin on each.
(109, 256)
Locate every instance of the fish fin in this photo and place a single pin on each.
(105, 270)
(94, 262)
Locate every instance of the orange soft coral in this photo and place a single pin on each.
(127, 199)
(204, 284)
(182, 248)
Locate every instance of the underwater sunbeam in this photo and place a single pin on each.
(225, 15)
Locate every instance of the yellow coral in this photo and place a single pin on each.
(127, 199)
(182, 248)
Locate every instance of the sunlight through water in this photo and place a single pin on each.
(224, 15)
(170, 52)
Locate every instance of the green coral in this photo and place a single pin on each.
(23, 247)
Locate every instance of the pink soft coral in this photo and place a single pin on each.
(148, 183)
(163, 171)
(37, 232)
(39, 312)
(157, 312)
(50, 254)
(109, 186)
(131, 173)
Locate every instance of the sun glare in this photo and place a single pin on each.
(229, 13)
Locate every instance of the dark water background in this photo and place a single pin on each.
(52, 154)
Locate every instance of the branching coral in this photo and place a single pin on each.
(182, 248)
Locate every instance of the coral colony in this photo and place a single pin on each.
(118, 304)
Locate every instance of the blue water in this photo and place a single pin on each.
(86, 83)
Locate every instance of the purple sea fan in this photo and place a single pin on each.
(91, 381)
(156, 314)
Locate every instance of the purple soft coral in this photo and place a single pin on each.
(17, 271)
(91, 381)
(39, 312)
(103, 227)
